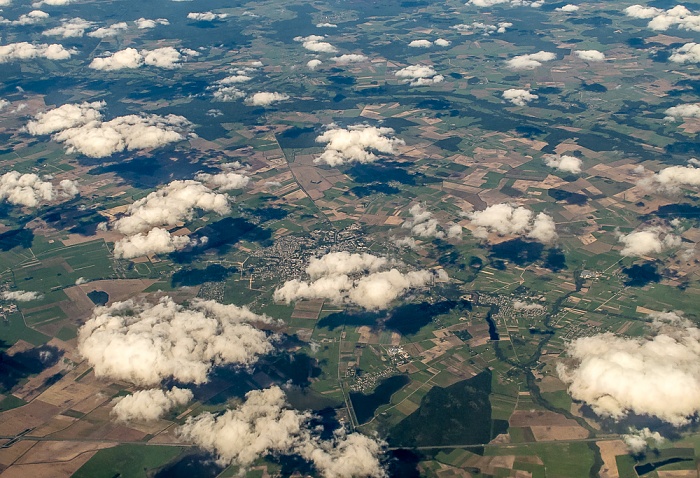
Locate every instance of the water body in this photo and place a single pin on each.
(366, 405)
(98, 297)
(649, 467)
(493, 332)
(200, 465)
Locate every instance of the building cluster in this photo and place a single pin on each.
(289, 256)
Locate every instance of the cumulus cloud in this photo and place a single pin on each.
(21, 295)
(519, 97)
(657, 376)
(110, 31)
(422, 223)
(166, 57)
(265, 98)
(356, 279)
(672, 179)
(149, 405)
(442, 42)
(356, 144)
(522, 305)
(420, 44)
(313, 64)
(81, 129)
(206, 16)
(688, 53)
(590, 55)
(155, 241)
(146, 343)
(512, 3)
(316, 44)
(647, 241)
(419, 75)
(264, 424)
(530, 61)
(504, 219)
(26, 51)
(568, 8)
(484, 28)
(143, 23)
(224, 181)
(683, 111)
(639, 440)
(53, 3)
(29, 190)
(170, 205)
(661, 20)
(568, 164)
(70, 28)
(31, 18)
(349, 58)
(326, 25)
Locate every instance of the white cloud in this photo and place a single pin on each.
(31, 18)
(442, 42)
(169, 205)
(29, 190)
(206, 16)
(228, 93)
(110, 31)
(484, 28)
(313, 64)
(70, 28)
(590, 55)
(504, 219)
(234, 79)
(166, 57)
(661, 20)
(420, 44)
(689, 110)
(81, 128)
(265, 98)
(123, 59)
(316, 44)
(419, 75)
(53, 3)
(638, 11)
(264, 424)
(149, 405)
(143, 23)
(658, 375)
(522, 305)
(349, 58)
(512, 3)
(568, 164)
(326, 25)
(155, 241)
(638, 441)
(422, 223)
(224, 181)
(672, 179)
(647, 241)
(569, 8)
(356, 144)
(531, 61)
(519, 97)
(353, 279)
(25, 51)
(21, 295)
(407, 241)
(147, 343)
(688, 53)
